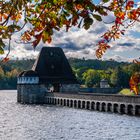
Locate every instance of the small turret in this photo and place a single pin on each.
(28, 77)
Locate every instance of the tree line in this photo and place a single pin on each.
(88, 72)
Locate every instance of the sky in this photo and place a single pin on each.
(81, 43)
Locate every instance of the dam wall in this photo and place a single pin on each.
(100, 90)
(112, 103)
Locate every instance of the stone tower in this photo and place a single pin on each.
(51, 68)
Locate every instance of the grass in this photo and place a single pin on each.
(126, 91)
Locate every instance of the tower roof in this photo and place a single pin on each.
(52, 66)
(28, 73)
(21, 74)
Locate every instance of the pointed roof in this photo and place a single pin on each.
(52, 66)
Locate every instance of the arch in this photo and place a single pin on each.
(75, 103)
(103, 107)
(137, 109)
(52, 100)
(58, 101)
(48, 100)
(71, 103)
(93, 105)
(79, 104)
(88, 105)
(130, 109)
(55, 101)
(115, 108)
(98, 106)
(109, 107)
(64, 102)
(122, 108)
(83, 104)
(61, 102)
(67, 102)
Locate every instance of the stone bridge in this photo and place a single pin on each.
(129, 105)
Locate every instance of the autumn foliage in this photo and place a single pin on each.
(135, 83)
(126, 14)
(45, 16)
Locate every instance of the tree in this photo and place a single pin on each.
(79, 73)
(91, 78)
(119, 78)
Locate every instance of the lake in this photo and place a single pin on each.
(45, 122)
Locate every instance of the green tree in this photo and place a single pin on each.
(91, 78)
(119, 78)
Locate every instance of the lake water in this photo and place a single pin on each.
(42, 122)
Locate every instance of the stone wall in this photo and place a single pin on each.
(98, 97)
(100, 90)
(31, 93)
(69, 88)
(93, 105)
(37, 94)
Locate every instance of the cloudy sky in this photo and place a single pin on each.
(81, 43)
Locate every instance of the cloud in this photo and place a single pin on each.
(126, 44)
(82, 43)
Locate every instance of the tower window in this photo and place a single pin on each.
(52, 66)
(51, 53)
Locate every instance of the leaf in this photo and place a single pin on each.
(49, 39)
(87, 22)
(5, 59)
(35, 43)
(0, 17)
(38, 38)
(105, 1)
(45, 36)
(2, 45)
(55, 1)
(97, 17)
(1, 50)
(134, 81)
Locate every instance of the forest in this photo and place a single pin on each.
(88, 72)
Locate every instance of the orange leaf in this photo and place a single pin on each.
(0, 17)
(5, 59)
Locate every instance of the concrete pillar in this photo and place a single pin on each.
(100, 107)
(89, 105)
(112, 108)
(134, 111)
(106, 107)
(95, 106)
(119, 109)
(126, 109)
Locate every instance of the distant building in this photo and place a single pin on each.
(104, 83)
(50, 68)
